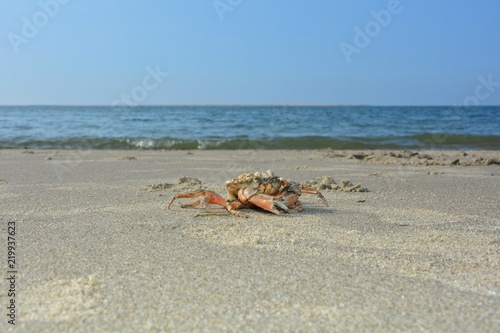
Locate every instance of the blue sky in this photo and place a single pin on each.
(389, 52)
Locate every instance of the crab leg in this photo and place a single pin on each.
(310, 190)
(232, 208)
(210, 197)
(291, 200)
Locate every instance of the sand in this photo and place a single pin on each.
(97, 250)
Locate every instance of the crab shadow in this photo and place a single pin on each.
(255, 211)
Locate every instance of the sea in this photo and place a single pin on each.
(250, 127)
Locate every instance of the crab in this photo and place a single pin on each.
(261, 189)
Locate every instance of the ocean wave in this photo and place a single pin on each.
(420, 141)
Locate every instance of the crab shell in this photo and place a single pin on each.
(259, 182)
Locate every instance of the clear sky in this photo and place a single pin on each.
(380, 52)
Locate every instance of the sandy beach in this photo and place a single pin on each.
(97, 249)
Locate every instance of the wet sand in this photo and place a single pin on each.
(97, 250)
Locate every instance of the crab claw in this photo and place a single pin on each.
(264, 201)
(269, 203)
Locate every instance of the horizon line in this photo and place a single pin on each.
(242, 104)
